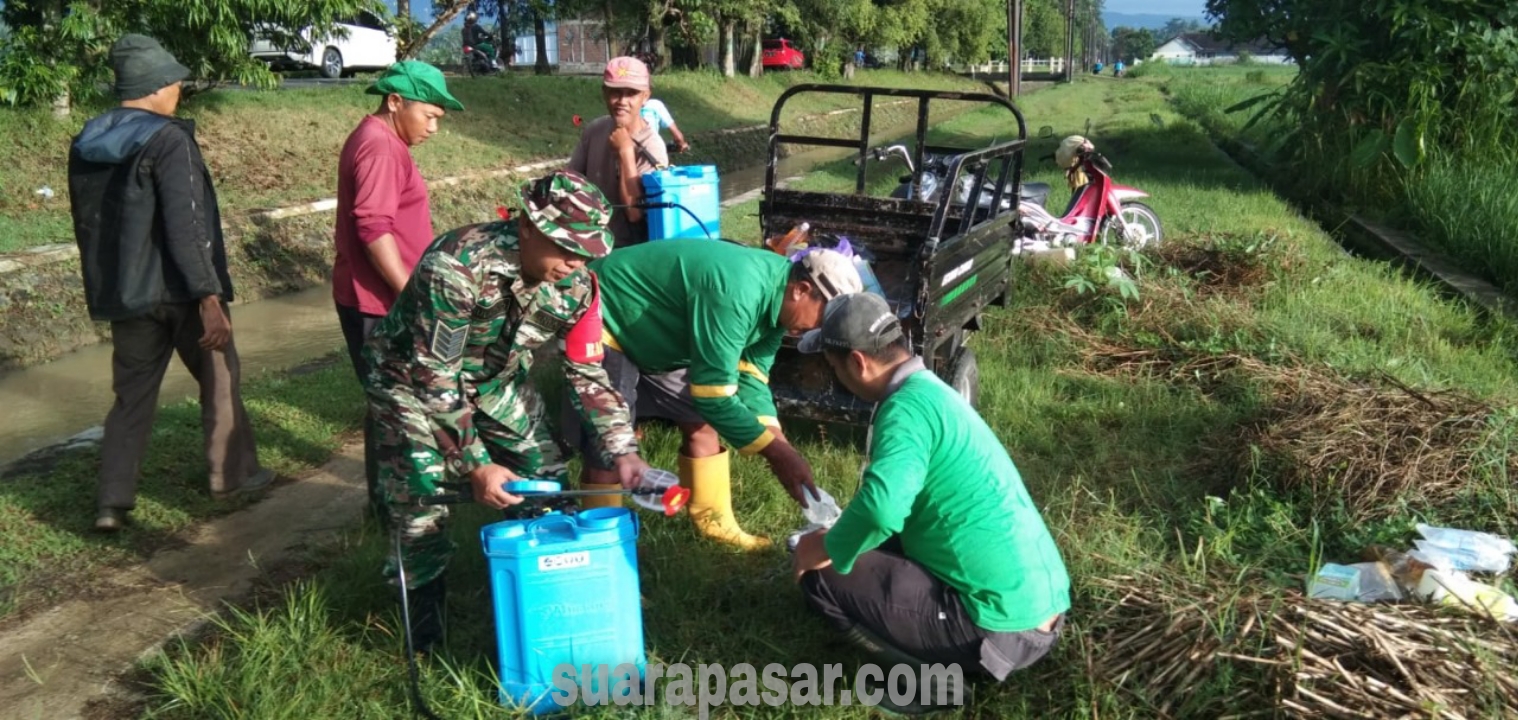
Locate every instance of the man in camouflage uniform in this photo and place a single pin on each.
(449, 387)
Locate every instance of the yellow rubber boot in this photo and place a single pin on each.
(600, 501)
(711, 501)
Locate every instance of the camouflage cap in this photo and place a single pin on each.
(571, 210)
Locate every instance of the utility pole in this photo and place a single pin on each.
(1014, 48)
(1069, 40)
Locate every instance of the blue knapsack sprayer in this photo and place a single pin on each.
(684, 202)
(563, 582)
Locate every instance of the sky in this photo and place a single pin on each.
(1174, 8)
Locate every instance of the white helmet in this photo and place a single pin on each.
(471, 17)
(1069, 151)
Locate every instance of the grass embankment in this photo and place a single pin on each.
(1196, 451)
(270, 149)
(1460, 204)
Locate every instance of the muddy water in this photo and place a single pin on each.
(51, 402)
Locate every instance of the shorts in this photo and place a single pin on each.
(662, 395)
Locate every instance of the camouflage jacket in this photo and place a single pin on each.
(460, 340)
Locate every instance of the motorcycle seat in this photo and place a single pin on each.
(1035, 192)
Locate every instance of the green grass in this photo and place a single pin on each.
(1464, 209)
(48, 550)
(1457, 202)
(270, 149)
(1136, 471)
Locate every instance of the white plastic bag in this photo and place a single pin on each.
(821, 510)
(1467, 550)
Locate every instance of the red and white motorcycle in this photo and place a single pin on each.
(1101, 210)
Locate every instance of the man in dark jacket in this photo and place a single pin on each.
(155, 267)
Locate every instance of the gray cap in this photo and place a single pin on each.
(143, 67)
(861, 321)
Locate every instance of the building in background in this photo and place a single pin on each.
(1202, 48)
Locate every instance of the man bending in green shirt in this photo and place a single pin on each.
(691, 329)
(941, 557)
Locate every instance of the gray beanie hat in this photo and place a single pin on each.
(143, 67)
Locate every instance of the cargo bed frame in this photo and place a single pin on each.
(939, 266)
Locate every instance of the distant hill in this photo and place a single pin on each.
(1142, 20)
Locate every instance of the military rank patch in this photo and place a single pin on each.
(448, 343)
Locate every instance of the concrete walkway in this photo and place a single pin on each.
(54, 665)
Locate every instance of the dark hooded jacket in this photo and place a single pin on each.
(145, 215)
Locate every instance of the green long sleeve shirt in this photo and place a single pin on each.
(939, 477)
(708, 306)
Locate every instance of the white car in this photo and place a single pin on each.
(370, 45)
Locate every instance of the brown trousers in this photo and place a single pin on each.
(142, 349)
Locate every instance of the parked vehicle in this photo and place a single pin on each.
(937, 265)
(1100, 211)
(928, 185)
(365, 42)
(781, 54)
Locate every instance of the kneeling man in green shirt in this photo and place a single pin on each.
(941, 557)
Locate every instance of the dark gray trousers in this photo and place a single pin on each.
(901, 602)
(142, 348)
(357, 327)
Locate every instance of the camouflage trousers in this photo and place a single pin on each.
(411, 466)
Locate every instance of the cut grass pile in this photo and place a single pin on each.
(1169, 439)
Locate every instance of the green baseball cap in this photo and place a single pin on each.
(417, 81)
(571, 210)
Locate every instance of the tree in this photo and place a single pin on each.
(443, 13)
(1180, 26)
(58, 49)
(1130, 44)
(1043, 28)
(1403, 75)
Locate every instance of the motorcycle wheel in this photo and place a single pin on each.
(1143, 226)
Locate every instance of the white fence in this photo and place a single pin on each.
(1030, 66)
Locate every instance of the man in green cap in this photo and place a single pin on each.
(448, 385)
(155, 267)
(384, 216)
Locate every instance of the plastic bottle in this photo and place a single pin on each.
(867, 276)
(791, 241)
(1456, 590)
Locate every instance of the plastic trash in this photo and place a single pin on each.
(657, 479)
(1406, 569)
(867, 276)
(791, 241)
(46, 192)
(1335, 582)
(821, 510)
(1377, 583)
(1467, 550)
(1454, 589)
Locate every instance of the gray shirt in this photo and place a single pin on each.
(597, 161)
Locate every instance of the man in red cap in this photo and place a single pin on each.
(616, 149)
